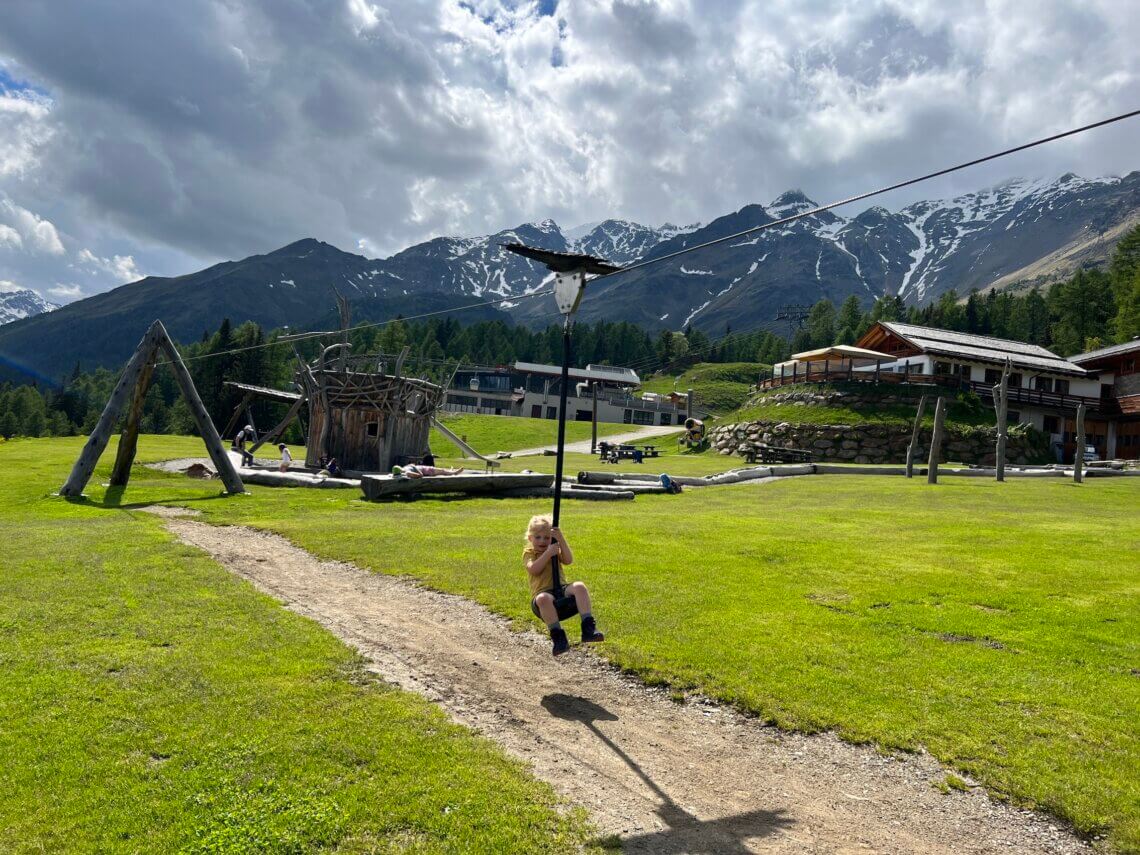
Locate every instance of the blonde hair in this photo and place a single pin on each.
(538, 521)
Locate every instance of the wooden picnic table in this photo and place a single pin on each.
(774, 454)
(611, 452)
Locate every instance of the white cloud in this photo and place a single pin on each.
(24, 130)
(10, 237)
(66, 291)
(341, 120)
(35, 233)
(121, 267)
(7, 286)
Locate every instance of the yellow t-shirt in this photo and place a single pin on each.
(544, 581)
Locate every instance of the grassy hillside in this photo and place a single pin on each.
(962, 408)
(152, 702)
(720, 387)
(166, 705)
(488, 434)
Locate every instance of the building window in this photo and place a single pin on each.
(463, 400)
(1128, 366)
(1013, 417)
(642, 417)
(552, 412)
(1051, 424)
(372, 429)
(943, 368)
(666, 419)
(1014, 381)
(993, 376)
(1043, 384)
(627, 416)
(1061, 387)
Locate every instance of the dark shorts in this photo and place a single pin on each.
(566, 606)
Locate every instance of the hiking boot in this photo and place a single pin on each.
(590, 632)
(561, 642)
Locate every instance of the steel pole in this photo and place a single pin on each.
(561, 442)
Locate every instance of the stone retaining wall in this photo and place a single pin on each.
(880, 443)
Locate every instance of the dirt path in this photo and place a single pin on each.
(665, 777)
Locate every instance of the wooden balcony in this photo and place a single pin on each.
(949, 382)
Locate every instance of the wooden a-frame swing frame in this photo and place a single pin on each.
(134, 384)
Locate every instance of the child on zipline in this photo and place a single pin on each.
(544, 542)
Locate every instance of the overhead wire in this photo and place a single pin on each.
(658, 259)
(857, 198)
(324, 333)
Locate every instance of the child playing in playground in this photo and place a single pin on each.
(544, 542)
(286, 457)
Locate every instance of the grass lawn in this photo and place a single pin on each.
(152, 702)
(957, 412)
(995, 625)
(718, 387)
(488, 434)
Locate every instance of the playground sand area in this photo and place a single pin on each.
(657, 773)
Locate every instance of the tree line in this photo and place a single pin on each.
(1089, 310)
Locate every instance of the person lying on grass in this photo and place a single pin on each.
(544, 542)
(418, 470)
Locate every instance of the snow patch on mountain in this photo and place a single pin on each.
(17, 303)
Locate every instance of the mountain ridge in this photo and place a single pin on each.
(919, 252)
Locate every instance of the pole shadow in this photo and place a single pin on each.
(685, 833)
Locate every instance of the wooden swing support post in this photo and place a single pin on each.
(936, 442)
(1001, 408)
(912, 449)
(133, 384)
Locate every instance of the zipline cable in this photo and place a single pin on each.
(705, 245)
(306, 336)
(861, 196)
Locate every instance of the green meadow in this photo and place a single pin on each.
(488, 434)
(162, 703)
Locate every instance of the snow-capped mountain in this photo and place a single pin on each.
(993, 236)
(924, 250)
(22, 303)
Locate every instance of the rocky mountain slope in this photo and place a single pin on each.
(22, 303)
(918, 252)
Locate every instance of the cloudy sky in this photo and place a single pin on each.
(141, 137)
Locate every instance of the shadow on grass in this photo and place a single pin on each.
(685, 833)
(113, 499)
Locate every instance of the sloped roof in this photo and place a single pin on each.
(1110, 351)
(839, 351)
(625, 376)
(984, 348)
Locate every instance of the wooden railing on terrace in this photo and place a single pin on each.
(1018, 395)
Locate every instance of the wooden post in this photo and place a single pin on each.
(206, 428)
(878, 362)
(243, 405)
(129, 440)
(97, 441)
(274, 434)
(936, 442)
(1079, 458)
(594, 418)
(1001, 404)
(912, 449)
